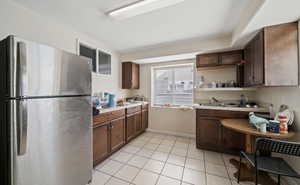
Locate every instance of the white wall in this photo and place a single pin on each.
(165, 119)
(177, 120)
(27, 24)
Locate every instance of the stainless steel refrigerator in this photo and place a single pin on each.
(46, 115)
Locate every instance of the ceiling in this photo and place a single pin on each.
(192, 19)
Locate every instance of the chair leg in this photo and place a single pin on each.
(278, 179)
(239, 175)
(256, 176)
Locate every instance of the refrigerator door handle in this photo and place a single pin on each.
(22, 127)
(21, 68)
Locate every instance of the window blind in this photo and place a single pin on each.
(173, 85)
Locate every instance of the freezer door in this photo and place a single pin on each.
(52, 141)
(40, 70)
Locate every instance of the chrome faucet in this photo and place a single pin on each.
(214, 100)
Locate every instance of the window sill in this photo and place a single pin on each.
(186, 107)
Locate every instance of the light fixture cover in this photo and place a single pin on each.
(141, 7)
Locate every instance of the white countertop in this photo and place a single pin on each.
(104, 110)
(259, 109)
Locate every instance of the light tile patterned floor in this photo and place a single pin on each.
(156, 159)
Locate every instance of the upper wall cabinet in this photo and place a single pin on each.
(219, 59)
(130, 75)
(271, 57)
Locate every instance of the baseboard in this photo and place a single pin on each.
(171, 133)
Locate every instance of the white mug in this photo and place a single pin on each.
(263, 128)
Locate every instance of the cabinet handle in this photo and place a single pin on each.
(112, 127)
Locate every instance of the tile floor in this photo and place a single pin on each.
(156, 159)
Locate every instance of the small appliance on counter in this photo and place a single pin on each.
(111, 100)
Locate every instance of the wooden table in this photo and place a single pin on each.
(243, 126)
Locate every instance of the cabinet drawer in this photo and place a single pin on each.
(117, 114)
(101, 118)
(108, 116)
(221, 114)
(133, 109)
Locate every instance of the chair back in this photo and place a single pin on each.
(278, 146)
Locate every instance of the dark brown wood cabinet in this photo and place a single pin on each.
(272, 57)
(207, 60)
(117, 133)
(231, 140)
(114, 129)
(100, 142)
(231, 57)
(254, 64)
(108, 134)
(138, 123)
(130, 127)
(219, 59)
(144, 119)
(211, 135)
(130, 75)
(208, 133)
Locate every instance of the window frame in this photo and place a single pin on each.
(85, 44)
(153, 74)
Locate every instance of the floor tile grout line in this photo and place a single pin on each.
(205, 171)
(172, 146)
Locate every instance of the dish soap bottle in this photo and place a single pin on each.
(243, 100)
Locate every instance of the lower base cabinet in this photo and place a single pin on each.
(117, 133)
(130, 127)
(133, 125)
(100, 143)
(108, 137)
(208, 134)
(232, 141)
(211, 135)
(138, 123)
(144, 119)
(113, 130)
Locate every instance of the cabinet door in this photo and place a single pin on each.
(232, 141)
(138, 123)
(117, 135)
(135, 76)
(144, 119)
(100, 142)
(208, 134)
(130, 126)
(126, 75)
(207, 60)
(248, 76)
(258, 59)
(231, 58)
(281, 55)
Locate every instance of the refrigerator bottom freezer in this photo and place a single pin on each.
(52, 140)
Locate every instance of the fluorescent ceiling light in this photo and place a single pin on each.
(185, 56)
(141, 7)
